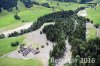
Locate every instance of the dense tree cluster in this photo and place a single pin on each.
(80, 31)
(50, 18)
(14, 34)
(13, 44)
(82, 48)
(86, 49)
(78, 1)
(36, 3)
(63, 28)
(27, 3)
(93, 50)
(45, 5)
(16, 17)
(8, 4)
(56, 34)
(85, 1)
(67, 0)
(96, 25)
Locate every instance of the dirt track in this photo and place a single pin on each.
(6, 33)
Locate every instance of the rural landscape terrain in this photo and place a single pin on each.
(49, 32)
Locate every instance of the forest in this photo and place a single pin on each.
(81, 48)
(10, 4)
(62, 30)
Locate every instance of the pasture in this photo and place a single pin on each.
(5, 44)
(26, 14)
(5, 61)
(94, 14)
(7, 20)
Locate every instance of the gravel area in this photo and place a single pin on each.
(82, 13)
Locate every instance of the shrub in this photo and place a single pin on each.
(2, 36)
(40, 32)
(14, 34)
(14, 43)
(96, 25)
(46, 5)
(42, 46)
(16, 17)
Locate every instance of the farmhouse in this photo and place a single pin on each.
(25, 51)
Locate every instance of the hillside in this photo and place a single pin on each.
(26, 15)
(30, 14)
(49, 33)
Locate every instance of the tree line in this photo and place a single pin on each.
(8, 4)
(76, 1)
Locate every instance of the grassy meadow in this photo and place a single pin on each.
(26, 14)
(65, 5)
(94, 14)
(7, 20)
(5, 61)
(5, 44)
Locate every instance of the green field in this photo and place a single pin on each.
(5, 45)
(16, 62)
(65, 5)
(7, 20)
(26, 14)
(94, 14)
